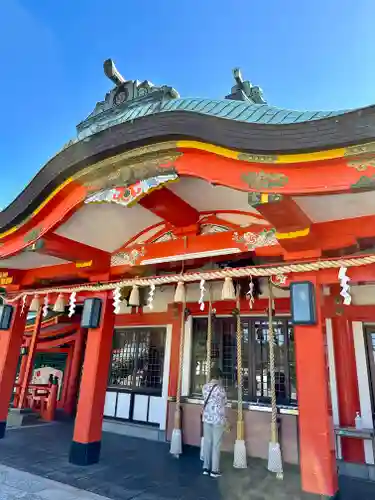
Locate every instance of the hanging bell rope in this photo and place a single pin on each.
(240, 455)
(274, 450)
(209, 356)
(209, 335)
(176, 440)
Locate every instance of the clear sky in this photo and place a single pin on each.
(305, 54)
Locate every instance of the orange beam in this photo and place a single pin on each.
(23, 239)
(170, 207)
(285, 214)
(67, 249)
(331, 236)
(287, 178)
(51, 344)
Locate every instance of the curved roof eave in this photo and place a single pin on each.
(347, 129)
(239, 111)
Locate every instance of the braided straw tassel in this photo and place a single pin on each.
(209, 354)
(275, 463)
(240, 455)
(176, 440)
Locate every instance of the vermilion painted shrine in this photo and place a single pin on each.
(191, 220)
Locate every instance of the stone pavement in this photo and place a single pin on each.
(15, 484)
(131, 469)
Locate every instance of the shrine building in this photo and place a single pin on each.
(174, 233)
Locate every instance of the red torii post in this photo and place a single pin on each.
(30, 358)
(10, 344)
(75, 367)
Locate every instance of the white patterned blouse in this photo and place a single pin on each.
(214, 412)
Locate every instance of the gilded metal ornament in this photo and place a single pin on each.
(130, 167)
(255, 198)
(362, 163)
(265, 180)
(254, 158)
(360, 149)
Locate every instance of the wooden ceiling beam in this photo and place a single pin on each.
(170, 207)
(63, 248)
(293, 226)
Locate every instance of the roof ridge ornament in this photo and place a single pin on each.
(128, 93)
(244, 90)
(112, 73)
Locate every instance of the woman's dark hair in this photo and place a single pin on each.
(216, 373)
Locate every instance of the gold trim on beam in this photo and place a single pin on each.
(293, 234)
(329, 154)
(144, 161)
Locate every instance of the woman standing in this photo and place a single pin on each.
(214, 419)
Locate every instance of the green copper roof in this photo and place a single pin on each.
(131, 99)
(221, 108)
(244, 111)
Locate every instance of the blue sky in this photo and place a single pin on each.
(316, 54)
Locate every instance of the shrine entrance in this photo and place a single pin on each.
(135, 385)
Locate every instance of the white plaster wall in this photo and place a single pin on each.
(163, 296)
(333, 379)
(363, 386)
(362, 295)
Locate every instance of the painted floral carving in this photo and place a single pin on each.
(361, 164)
(280, 280)
(128, 195)
(365, 182)
(255, 240)
(127, 258)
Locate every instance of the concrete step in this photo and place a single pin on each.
(21, 417)
(142, 431)
(356, 489)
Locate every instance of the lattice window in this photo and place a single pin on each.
(137, 359)
(255, 357)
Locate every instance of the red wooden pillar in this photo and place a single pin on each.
(66, 376)
(347, 386)
(86, 444)
(20, 380)
(30, 358)
(10, 345)
(317, 451)
(72, 382)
